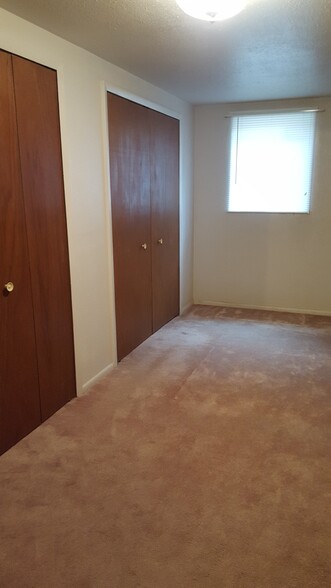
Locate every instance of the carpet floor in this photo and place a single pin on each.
(201, 461)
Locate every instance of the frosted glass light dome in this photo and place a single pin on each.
(212, 10)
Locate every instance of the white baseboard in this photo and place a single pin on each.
(186, 308)
(271, 308)
(96, 378)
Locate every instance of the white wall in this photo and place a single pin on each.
(83, 79)
(278, 261)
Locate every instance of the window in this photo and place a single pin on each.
(271, 162)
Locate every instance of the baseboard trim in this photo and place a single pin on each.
(267, 308)
(96, 378)
(186, 308)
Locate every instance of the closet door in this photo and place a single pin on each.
(41, 167)
(19, 388)
(164, 158)
(130, 199)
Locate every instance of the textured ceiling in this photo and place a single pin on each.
(274, 49)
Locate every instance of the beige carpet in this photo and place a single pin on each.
(202, 461)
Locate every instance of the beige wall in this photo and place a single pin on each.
(259, 260)
(83, 79)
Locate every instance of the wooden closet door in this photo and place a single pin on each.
(19, 386)
(41, 164)
(165, 217)
(130, 200)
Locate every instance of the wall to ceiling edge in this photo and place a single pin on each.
(83, 79)
(272, 261)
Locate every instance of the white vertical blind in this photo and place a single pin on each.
(271, 162)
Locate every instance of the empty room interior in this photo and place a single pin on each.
(165, 309)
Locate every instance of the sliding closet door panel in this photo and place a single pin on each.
(19, 389)
(130, 198)
(41, 162)
(165, 217)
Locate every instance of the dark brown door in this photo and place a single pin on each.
(19, 388)
(41, 165)
(164, 217)
(144, 173)
(129, 145)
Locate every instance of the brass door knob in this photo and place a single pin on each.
(144, 246)
(9, 286)
(160, 241)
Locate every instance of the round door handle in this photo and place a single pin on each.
(9, 287)
(144, 246)
(160, 241)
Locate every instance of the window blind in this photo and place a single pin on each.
(271, 162)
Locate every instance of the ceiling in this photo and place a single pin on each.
(273, 49)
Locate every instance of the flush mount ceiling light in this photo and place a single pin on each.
(212, 10)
